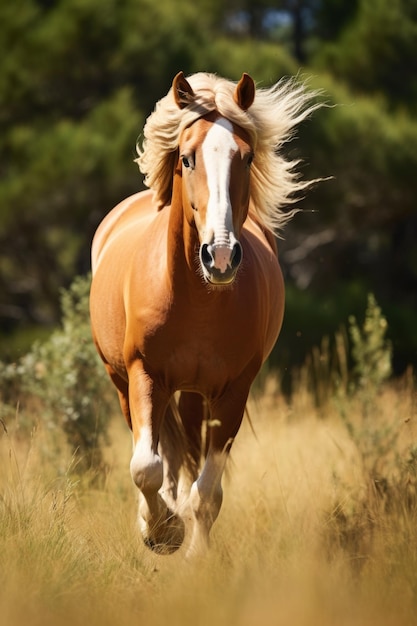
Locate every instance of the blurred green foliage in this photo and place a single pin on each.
(79, 77)
(65, 377)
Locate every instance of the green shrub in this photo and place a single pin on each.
(65, 379)
(371, 351)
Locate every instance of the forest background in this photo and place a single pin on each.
(78, 79)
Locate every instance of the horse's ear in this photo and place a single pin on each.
(245, 92)
(183, 92)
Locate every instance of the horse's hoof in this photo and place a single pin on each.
(160, 548)
(167, 537)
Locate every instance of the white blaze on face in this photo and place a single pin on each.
(218, 149)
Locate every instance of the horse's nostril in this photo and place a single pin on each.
(206, 255)
(236, 256)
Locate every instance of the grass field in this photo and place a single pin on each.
(318, 525)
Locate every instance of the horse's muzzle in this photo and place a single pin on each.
(220, 263)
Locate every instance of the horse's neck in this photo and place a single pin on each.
(182, 241)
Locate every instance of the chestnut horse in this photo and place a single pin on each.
(187, 293)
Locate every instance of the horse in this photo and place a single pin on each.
(187, 294)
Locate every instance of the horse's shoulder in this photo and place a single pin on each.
(131, 210)
(253, 226)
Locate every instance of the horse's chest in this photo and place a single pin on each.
(188, 354)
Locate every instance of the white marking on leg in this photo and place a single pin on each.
(146, 468)
(161, 529)
(146, 465)
(206, 498)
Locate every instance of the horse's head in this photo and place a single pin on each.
(215, 158)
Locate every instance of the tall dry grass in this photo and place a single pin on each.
(318, 525)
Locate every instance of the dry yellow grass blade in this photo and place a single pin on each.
(318, 527)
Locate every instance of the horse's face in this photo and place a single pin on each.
(215, 159)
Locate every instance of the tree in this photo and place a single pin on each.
(79, 77)
(74, 91)
(376, 52)
(298, 24)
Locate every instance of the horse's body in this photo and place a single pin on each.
(188, 296)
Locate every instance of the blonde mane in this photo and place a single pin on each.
(270, 122)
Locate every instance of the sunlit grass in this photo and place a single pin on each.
(306, 536)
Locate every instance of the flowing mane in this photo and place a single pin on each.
(269, 121)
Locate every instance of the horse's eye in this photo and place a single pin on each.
(250, 160)
(186, 162)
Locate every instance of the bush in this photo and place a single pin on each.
(66, 377)
(371, 351)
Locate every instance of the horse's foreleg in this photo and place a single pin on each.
(181, 446)
(162, 531)
(206, 492)
(206, 498)
(192, 407)
(122, 387)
